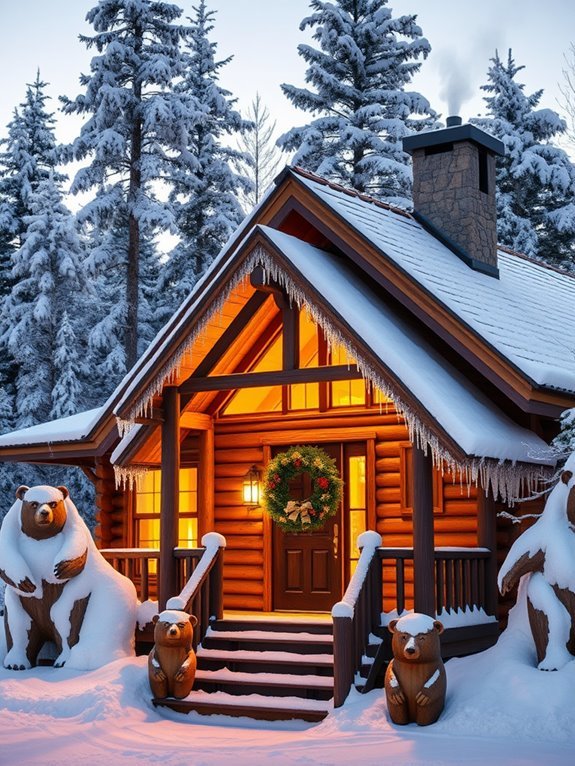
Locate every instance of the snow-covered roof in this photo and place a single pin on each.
(462, 410)
(70, 429)
(527, 315)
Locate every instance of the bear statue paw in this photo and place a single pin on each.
(16, 660)
(555, 660)
(62, 658)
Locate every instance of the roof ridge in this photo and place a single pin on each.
(536, 261)
(351, 192)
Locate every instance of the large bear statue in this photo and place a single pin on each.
(59, 588)
(545, 555)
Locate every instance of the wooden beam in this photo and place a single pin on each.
(290, 347)
(155, 417)
(273, 378)
(487, 538)
(170, 488)
(206, 484)
(197, 421)
(227, 338)
(423, 541)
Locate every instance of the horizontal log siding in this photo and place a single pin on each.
(111, 508)
(238, 445)
(241, 526)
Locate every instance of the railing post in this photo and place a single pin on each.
(423, 539)
(217, 587)
(343, 660)
(487, 538)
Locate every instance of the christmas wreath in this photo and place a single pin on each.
(302, 515)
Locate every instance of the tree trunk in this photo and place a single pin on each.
(133, 265)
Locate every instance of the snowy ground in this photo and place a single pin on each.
(499, 710)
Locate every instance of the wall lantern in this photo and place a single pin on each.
(252, 487)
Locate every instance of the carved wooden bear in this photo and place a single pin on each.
(172, 661)
(59, 587)
(545, 553)
(415, 680)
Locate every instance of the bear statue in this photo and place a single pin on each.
(59, 588)
(545, 555)
(172, 661)
(415, 681)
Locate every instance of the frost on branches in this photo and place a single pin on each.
(134, 134)
(535, 179)
(357, 88)
(205, 187)
(48, 279)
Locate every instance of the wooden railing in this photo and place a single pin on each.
(202, 594)
(140, 565)
(200, 577)
(356, 616)
(461, 577)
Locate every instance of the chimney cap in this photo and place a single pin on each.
(452, 135)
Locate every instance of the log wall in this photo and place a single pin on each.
(111, 508)
(239, 445)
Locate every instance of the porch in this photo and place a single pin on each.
(313, 657)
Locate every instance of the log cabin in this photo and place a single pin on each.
(431, 365)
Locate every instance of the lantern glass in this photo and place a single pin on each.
(251, 487)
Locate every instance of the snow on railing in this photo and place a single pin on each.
(202, 595)
(356, 615)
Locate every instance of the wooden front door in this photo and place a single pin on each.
(307, 571)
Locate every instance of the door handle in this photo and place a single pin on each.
(335, 539)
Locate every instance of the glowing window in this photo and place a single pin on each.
(266, 398)
(357, 502)
(147, 516)
(345, 393)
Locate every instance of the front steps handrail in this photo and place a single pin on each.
(202, 595)
(356, 616)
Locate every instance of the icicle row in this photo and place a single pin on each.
(505, 479)
(130, 477)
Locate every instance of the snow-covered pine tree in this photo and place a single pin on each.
(29, 155)
(67, 391)
(535, 179)
(48, 281)
(359, 75)
(206, 187)
(258, 144)
(134, 135)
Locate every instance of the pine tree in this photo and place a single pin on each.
(48, 282)
(67, 390)
(135, 133)
(258, 144)
(206, 188)
(359, 74)
(535, 179)
(29, 155)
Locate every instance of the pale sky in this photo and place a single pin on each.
(263, 35)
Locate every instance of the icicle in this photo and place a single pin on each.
(130, 477)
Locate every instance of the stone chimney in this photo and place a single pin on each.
(454, 190)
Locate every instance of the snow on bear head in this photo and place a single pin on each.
(43, 513)
(416, 637)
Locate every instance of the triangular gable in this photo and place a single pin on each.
(464, 430)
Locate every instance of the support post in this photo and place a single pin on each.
(170, 491)
(487, 538)
(206, 484)
(423, 539)
(343, 660)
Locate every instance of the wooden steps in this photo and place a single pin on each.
(263, 669)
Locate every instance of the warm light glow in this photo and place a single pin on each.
(251, 487)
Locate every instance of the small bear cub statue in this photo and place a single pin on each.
(415, 680)
(172, 661)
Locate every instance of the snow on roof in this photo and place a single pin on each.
(527, 315)
(72, 428)
(461, 409)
